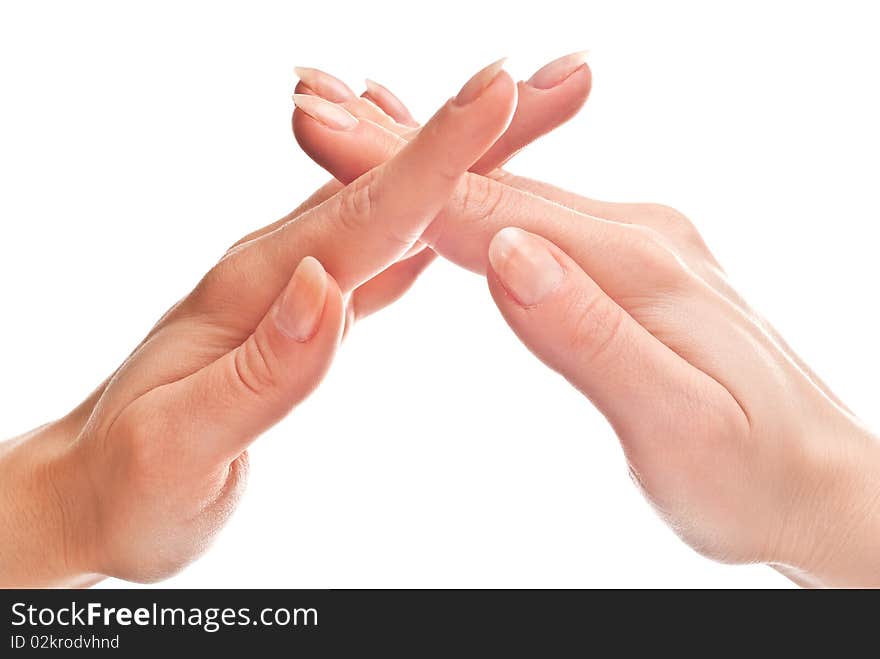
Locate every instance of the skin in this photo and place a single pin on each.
(740, 447)
(537, 113)
(136, 481)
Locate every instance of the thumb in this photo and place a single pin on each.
(573, 326)
(231, 401)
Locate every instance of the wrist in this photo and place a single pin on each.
(838, 543)
(46, 512)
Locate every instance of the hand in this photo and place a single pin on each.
(741, 448)
(552, 96)
(137, 480)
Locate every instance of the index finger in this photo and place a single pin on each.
(372, 222)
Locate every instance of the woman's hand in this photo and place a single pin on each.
(137, 480)
(739, 446)
(551, 97)
(536, 114)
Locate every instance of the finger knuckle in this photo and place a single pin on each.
(482, 198)
(655, 261)
(357, 201)
(596, 326)
(664, 215)
(141, 437)
(360, 204)
(672, 222)
(252, 367)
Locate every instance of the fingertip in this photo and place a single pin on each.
(299, 120)
(537, 112)
(502, 96)
(460, 133)
(580, 81)
(345, 154)
(303, 88)
(324, 84)
(389, 103)
(554, 105)
(300, 310)
(554, 73)
(577, 87)
(526, 265)
(322, 144)
(305, 130)
(491, 91)
(373, 88)
(309, 315)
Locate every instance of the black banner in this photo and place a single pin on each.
(411, 622)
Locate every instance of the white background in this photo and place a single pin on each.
(137, 142)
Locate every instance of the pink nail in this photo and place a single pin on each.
(557, 71)
(524, 265)
(383, 96)
(329, 114)
(324, 84)
(476, 85)
(299, 313)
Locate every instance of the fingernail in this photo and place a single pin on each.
(302, 305)
(557, 71)
(331, 115)
(475, 86)
(324, 84)
(524, 265)
(383, 95)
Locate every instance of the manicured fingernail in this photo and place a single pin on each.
(475, 86)
(524, 265)
(331, 115)
(557, 71)
(324, 84)
(384, 98)
(302, 305)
